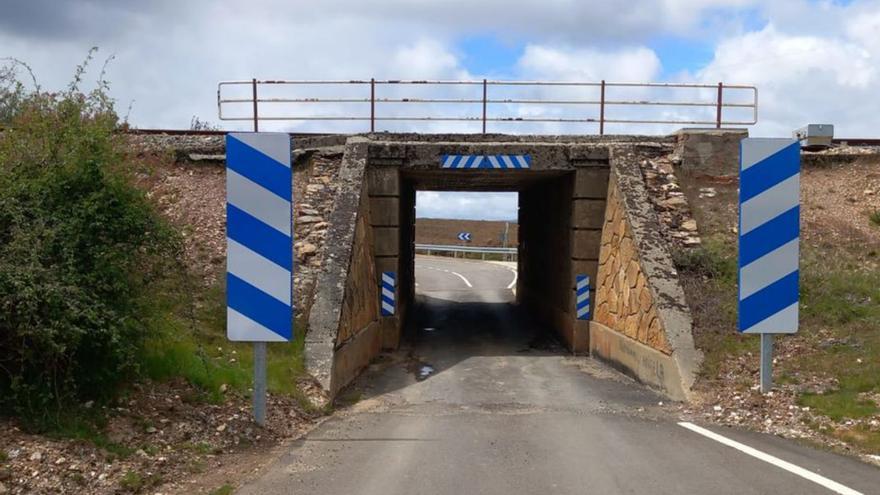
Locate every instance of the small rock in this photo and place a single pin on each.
(221, 428)
(303, 212)
(717, 408)
(689, 225)
(60, 460)
(309, 219)
(36, 456)
(673, 202)
(868, 192)
(224, 388)
(308, 249)
(151, 429)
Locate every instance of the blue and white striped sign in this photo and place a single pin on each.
(386, 299)
(259, 240)
(769, 229)
(582, 297)
(486, 161)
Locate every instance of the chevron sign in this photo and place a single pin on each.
(388, 287)
(486, 161)
(768, 235)
(464, 236)
(259, 241)
(582, 297)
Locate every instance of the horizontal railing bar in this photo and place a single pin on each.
(465, 249)
(490, 101)
(488, 82)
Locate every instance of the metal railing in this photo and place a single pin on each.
(482, 98)
(508, 254)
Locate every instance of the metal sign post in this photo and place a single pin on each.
(259, 247)
(769, 250)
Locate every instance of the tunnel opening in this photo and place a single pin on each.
(470, 302)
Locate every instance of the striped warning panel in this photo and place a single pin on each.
(388, 289)
(582, 297)
(486, 161)
(259, 242)
(769, 227)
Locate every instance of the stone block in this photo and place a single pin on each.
(383, 181)
(585, 267)
(384, 211)
(585, 244)
(591, 183)
(588, 213)
(386, 240)
(709, 151)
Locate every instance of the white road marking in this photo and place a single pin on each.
(466, 281)
(791, 468)
(515, 275)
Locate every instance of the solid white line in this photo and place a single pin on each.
(515, 275)
(466, 281)
(791, 468)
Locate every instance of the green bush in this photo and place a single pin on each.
(80, 250)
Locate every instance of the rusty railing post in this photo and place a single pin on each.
(602, 109)
(256, 115)
(484, 106)
(373, 104)
(718, 107)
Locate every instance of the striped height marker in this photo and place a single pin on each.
(388, 285)
(259, 241)
(582, 295)
(486, 161)
(769, 202)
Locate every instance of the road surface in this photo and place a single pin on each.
(478, 403)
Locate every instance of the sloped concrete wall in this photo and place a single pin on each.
(642, 324)
(344, 330)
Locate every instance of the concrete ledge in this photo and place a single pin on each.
(649, 366)
(354, 355)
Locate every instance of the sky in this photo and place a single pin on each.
(813, 61)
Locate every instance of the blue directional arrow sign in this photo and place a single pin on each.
(464, 236)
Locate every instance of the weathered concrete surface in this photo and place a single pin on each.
(709, 151)
(337, 314)
(639, 295)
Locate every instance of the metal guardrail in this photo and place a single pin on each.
(256, 102)
(465, 249)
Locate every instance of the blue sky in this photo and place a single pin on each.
(813, 61)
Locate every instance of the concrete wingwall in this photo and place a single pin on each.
(642, 324)
(345, 330)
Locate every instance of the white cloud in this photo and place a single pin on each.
(467, 205)
(825, 77)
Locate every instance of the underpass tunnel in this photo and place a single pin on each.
(558, 238)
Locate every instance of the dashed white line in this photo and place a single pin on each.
(791, 468)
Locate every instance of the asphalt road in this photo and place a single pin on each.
(478, 402)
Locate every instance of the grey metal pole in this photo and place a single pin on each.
(766, 362)
(260, 383)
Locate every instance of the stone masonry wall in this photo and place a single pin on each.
(361, 303)
(623, 298)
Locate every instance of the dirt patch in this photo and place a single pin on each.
(483, 233)
(160, 439)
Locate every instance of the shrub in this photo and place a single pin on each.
(80, 249)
